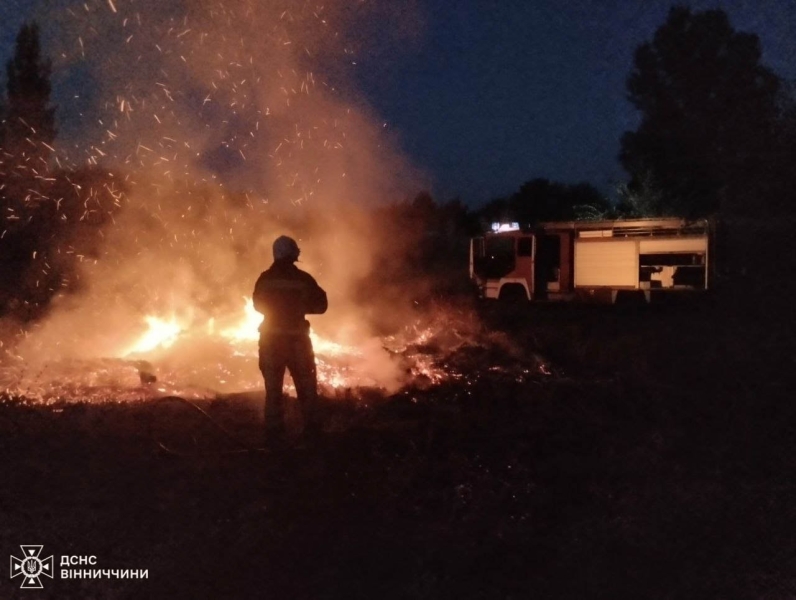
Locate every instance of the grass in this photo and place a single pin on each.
(656, 460)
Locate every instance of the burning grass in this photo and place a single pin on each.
(633, 470)
(202, 360)
(552, 452)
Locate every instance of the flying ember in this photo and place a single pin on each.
(212, 128)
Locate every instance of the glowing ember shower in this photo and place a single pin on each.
(222, 126)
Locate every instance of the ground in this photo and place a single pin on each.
(596, 452)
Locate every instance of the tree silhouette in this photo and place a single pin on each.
(541, 200)
(709, 114)
(29, 125)
(641, 198)
(49, 216)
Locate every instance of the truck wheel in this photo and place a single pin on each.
(513, 293)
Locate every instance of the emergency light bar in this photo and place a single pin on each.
(501, 227)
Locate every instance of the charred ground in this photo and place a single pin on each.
(618, 452)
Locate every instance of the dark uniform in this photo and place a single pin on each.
(284, 294)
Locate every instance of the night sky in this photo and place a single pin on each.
(493, 93)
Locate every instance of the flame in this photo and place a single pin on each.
(181, 218)
(340, 365)
(247, 327)
(199, 356)
(329, 348)
(162, 333)
(239, 337)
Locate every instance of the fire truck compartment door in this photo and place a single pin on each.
(606, 263)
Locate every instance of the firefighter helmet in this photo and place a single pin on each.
(286, 248)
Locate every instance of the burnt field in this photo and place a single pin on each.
(595, 452)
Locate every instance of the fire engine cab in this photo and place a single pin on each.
(591, 259)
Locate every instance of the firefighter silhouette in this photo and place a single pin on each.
(284, 294)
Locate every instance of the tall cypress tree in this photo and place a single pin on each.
(29, 126)
(29, 225)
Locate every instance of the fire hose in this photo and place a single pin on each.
(244, 448)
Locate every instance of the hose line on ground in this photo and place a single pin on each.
(244, 448)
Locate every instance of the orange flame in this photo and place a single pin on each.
(162, 333)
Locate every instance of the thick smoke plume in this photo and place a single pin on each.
(228, 124)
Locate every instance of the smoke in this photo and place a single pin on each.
(228, 123)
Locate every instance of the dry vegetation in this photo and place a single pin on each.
(654, 461)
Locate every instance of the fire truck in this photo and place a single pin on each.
(595, 260)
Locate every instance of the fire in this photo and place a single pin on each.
(220, 353)
(166, 338)
(162, 333)
(330, 348)
(197, 356)
(192, 221)
(247, 327)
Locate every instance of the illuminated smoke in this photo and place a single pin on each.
(230, 123)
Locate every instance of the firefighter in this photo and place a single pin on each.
(284, 294)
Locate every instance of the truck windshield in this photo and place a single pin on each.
(497, 259)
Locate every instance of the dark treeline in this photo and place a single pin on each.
(717, 136)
